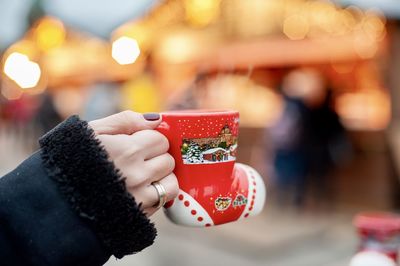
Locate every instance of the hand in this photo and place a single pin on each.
(140, 153)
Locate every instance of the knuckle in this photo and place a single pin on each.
(174, 190)
(128, 114)
(155, 138)
(170, 161)
(162, 167)
(138, 140)
(164, 142)
(144, 134)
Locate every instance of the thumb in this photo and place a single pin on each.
(126, 122)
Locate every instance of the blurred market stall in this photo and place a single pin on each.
(207, 54)
(315, 82)
(178, 40)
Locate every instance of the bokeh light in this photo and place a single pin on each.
(179, 47)
(373, 25)
(296, 27)
(125, 50)
(141, 95)
(23, 71)
(49, 33)
(315, 82)
(369, 109)
(201, 12)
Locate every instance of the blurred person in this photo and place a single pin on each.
(327, 145)
(87, 193)
(47, 116)
(289, 161)
(307, 139)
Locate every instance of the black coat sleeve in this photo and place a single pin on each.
(68, 205)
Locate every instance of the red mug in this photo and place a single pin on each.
(213, 188)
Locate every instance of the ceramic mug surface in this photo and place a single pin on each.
(213, 188)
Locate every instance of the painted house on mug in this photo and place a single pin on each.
(216, 155)
(225, 136)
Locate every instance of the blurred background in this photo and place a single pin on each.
(317, 85)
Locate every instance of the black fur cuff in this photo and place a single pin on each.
(75, 160)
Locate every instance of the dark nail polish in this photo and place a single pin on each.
(151, 116)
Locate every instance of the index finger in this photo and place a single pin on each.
(126, 122)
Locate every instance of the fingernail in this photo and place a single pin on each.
(151, 116)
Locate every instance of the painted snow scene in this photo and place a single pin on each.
(210, 150)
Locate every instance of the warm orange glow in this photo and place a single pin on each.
(23, 71)
(25, 46)
(343, 68)
(348, 19)
(367, 110)
(374, 26)
(201, 12)
(259, 106)
(296, 27)
(50, 33)
(180, 47)
(141, 31)
(125, 50)
(252, 18)
(86, 58)
(364, 46)
(323, 17)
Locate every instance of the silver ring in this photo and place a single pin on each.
(162, 194)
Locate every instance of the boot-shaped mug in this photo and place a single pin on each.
(214, 189)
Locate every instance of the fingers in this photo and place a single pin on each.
(141, 157)
(140, 152)
(149, 171)
(126, 122)
(148, 196)
(114, 144)
(160, 166)
(145, 144)
(150, 143)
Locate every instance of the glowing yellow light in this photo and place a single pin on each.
(348, 19)
(201, 12)
(20, 69)
(125, 50)
(141, 95)
(50, 33)
(296, 27)
(142, 31)
(180, 47)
